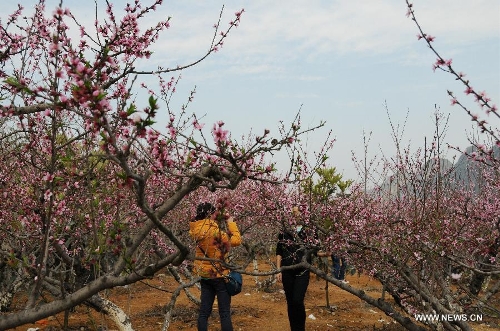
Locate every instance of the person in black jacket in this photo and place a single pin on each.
(290, 250)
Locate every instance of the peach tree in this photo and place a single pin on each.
(90, 182)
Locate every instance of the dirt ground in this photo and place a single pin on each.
(253, 309)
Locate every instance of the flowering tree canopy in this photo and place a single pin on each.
(89, 183)
(97, 194)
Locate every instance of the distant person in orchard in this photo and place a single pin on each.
(339, 266)
(213, 243)
(291, 248)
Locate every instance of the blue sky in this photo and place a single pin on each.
(337, 61)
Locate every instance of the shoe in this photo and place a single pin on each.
(345, 281)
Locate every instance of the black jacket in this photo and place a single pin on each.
(290, 250)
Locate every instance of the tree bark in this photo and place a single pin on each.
(115, 313)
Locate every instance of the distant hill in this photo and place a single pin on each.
(465, 171)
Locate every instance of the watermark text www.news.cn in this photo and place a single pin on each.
(449, 317)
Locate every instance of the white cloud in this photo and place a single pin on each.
(274, 33)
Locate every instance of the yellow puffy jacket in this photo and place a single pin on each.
(216, 245)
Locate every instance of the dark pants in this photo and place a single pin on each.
(209, 289)
(295, 284)
(339, 267)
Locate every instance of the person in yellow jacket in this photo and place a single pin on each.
(213, 243)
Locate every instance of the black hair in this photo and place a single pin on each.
(204, 210)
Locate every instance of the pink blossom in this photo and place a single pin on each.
(58, 12)
(238, 13)
(47, 195)
(173, 132)
(136, 118)
(53, 47)
(439, 62)
(430, 38)
(409, 11)
(80, 67)
(104, 104)
(48, 177)
(219, 134)
(197, 125)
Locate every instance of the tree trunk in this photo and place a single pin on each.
(170, 306)
(327, 296)
(9, 284)
(115, 313)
